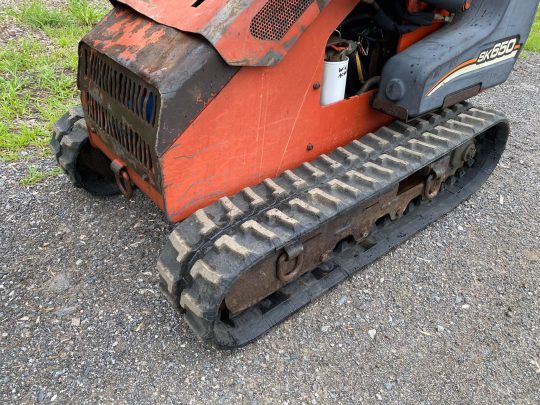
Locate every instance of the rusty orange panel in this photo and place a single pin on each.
(231, 26)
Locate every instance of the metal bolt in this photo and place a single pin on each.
(316, 86)
(309, 147)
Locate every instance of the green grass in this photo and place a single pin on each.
(38, 71)
(533, 44)
(35, 176)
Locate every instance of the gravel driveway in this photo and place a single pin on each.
(452, 316)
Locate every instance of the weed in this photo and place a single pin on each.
(84, 13)
(34, 175)
(38, 16)
(37, 79)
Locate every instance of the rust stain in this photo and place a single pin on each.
(129, 35)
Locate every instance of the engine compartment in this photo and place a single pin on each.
(372, 33)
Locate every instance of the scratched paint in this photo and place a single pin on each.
(267, 116)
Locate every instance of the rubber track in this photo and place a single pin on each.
(70, 135)
(196, 234)
(66, 142)
(232, 236)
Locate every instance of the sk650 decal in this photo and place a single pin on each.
(501, 51)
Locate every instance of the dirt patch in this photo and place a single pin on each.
(10, 30)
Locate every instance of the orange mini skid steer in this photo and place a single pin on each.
(293, 141)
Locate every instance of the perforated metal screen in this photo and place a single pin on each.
(277, 17)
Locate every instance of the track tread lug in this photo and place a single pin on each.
(324, 198)
(276, 190)
(191, 303)
(229, 244)
(304, 207)
(435, 139)
(344, 188)
(255, 200)
(297, 181)
(204, 270)
(282, 218)
(391, 161)
(314, 171)
(207, 225)
(378, 170)
(334, 165)
(413, 154)
(232, 211)
(374, 141)
(259, 230)
(425, 147)
(347, 155)
(181, 245)
(363, 147)
(362, 178)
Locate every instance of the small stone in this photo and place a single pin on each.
(379, 397)
(79, 262)
(440, 328)
(65, 311)
(389, 385)
(76, 322)
(466, 306)
(533, 256)
(372, 333)
(325, 328)
(342, 301)
(58, 283)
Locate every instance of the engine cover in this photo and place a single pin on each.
(474, 52)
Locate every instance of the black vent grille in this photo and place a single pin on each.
(121, 132)
(121, 86)
(277, 17)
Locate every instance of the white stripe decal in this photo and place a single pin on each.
(472, 68)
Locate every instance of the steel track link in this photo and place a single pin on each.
(221, 243)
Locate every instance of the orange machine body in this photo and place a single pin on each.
(265, 120)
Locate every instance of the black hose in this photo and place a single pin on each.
(369, 84)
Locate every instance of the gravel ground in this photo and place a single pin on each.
(452, 316)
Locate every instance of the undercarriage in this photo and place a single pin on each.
(245, 263)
